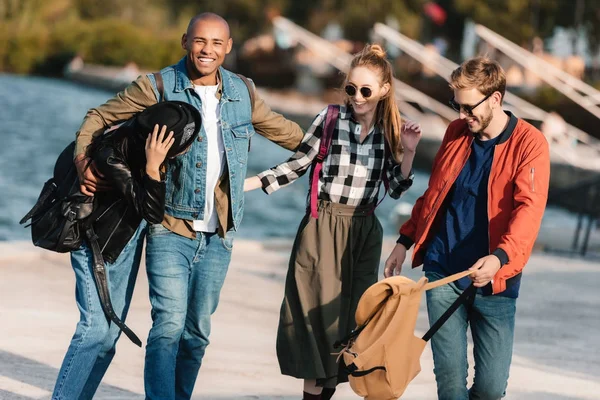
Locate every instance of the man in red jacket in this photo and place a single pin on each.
(482, 211)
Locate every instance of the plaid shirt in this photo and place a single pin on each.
(352, 171)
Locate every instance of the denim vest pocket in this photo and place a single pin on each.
(177, 172)
(241, 140)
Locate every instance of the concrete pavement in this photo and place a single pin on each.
(557, 351)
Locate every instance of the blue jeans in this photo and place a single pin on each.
(185, 277)
(92, 347)
(492, 320)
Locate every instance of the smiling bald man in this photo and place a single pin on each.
(188, 254)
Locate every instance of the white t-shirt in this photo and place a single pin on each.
(215, 155)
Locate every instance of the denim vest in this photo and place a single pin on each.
(186, 174)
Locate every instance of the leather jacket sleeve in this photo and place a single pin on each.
(146, 197)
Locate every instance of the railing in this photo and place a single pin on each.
(578, 91)
(340, 59)
(444, 67)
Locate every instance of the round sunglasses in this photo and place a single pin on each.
(364, 91)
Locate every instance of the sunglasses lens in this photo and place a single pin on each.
(455, 106)
(366, 92)
(350, 90)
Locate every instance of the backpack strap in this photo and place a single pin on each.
(48, 190)
(250, 88)
(102, 286)
(448, 279)
(467, 296)
(330, 121)
(160, 86)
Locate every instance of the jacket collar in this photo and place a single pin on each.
(510, 128)
(226, 88)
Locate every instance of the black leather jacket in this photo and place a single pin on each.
(118, 213)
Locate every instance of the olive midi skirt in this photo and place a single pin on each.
(335, 258)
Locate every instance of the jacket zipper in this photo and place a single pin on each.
(532, 179)
(114, 229)
(109, 207)
(488, 201)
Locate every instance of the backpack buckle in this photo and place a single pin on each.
(71, 215)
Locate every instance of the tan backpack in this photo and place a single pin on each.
(382, 355)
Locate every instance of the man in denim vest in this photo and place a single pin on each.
(188, 254)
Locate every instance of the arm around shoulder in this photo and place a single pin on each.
(134, 98)
(274, 126)
(287, 172)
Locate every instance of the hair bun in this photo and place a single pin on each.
(377, 50)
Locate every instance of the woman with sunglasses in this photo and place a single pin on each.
(336, 256)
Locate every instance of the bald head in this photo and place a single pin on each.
(207, 42)
(208, 16)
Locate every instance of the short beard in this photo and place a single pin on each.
(485, 122)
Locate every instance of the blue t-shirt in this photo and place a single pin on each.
(462, 237)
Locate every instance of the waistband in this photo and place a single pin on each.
(345, 209)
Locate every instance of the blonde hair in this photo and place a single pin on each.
(374, 57)
(480, 73)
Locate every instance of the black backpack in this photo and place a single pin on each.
(60, 222)
(59, 215)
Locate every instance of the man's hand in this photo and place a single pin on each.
(90, 179)
(393, 265)
(484, 270)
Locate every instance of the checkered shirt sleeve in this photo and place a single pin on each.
(297, 165)
(352, 170)
(398, 182)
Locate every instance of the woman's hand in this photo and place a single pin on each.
(410, 136)
(252, 183)
(157, 146)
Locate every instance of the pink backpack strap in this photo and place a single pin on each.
(330, 121)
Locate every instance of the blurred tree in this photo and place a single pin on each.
(146, 13)
(246, 18)
(159, 20)
(581, 16)
(517, 20)
(94, 9)
(451, 29)
(357, 17)
(26, 13)
(522, 20)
